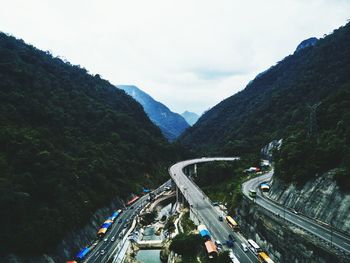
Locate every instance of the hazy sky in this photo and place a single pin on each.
(187, 54)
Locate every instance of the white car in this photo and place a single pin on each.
(102, 252)
(106, 239)
(112, 239)
(244, 247)
(218, 244)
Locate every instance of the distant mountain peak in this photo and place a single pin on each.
(170, 123)
(190, 117)
(307, 43)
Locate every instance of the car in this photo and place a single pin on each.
(295, 212)
(132, 207)
(230, 237)
(218, 244)
(244, 247)
(113, 238)
(229, 243)
(102, 252)
(106, 239)
(220, 218)
(120, 221)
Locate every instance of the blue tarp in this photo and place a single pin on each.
(115, 215)
(204, 233)
(83, 253)
(146, 190)
(106, 225)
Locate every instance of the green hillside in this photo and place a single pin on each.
(276, 105)
(69, 143)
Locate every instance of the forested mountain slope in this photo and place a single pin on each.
(69, 143)
(277, 104)
(170, 123)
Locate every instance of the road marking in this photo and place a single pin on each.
(197, 193)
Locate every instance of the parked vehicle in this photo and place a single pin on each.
(218, 244)
(203, 231)
(211, 249)
(264, 258)
(81, 255)
(244, 247)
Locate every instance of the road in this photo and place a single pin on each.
(121, 223)
(204, 209)
(339, 240)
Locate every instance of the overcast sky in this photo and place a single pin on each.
(187, 54)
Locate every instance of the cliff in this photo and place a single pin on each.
(320, 198)
(282, 241)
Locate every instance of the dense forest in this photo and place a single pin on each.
(69, 143)
(304, 99)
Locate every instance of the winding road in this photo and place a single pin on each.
(324, 233)
(208, 215)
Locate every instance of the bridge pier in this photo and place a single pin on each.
(180, 199)
(191, 170)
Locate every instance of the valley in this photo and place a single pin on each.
(94, 172)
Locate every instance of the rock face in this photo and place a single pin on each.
(73, 242)
(170, 123)
(267, 151)
(282, 241)
(320, 199)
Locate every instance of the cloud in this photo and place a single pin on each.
(188, 54)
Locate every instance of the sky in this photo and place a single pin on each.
(188, 54)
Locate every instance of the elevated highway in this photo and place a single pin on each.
(203, 209)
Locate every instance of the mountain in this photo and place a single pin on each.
(307, 43)
(304, 99)
(190, 117)
(70, 142)
(171, 124)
